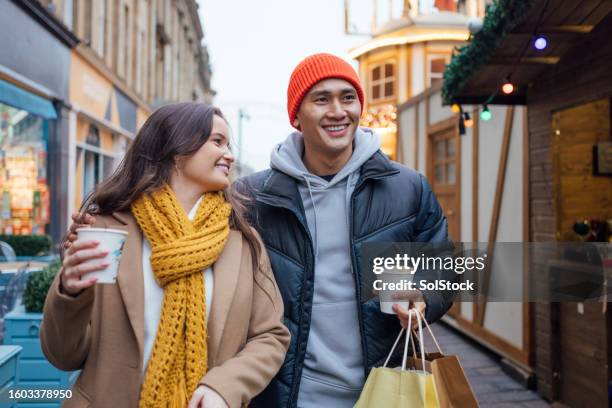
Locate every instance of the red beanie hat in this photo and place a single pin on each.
(313, 69)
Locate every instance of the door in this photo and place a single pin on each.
(444, 170)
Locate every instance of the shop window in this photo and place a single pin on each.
(91, 171)
(126, 40)
(101, 21)
(383, 118)
(95, 163)
(435, 73)
(108, 166)
(382, 81)
(24, 192)
(86, 24)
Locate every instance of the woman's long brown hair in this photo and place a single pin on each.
(172, 130)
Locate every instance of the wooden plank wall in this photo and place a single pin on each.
(578, 195)
(583, 75)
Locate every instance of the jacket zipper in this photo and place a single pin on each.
(360, 186)
(299, 358)
(356, 278)
(310, 265)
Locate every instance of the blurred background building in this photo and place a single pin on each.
(411, 43)
(77, 79)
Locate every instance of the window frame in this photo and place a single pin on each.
(382, 81)
(428, 74)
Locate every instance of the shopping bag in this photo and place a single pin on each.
(399, 388)
(452, 386)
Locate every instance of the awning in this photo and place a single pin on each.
(14, 96)
(505, 49)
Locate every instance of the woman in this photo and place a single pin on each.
(195, 318)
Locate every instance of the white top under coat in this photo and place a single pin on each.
(154, 295)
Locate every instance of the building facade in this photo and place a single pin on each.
(152, 46)
(108, 65)
(406, 55)
(34, 107)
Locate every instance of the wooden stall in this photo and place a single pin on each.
(567, 90)
(479, 179)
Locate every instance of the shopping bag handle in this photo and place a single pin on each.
(393, 348)
(410, 333)
(430, 332)
(405, 344)
(408, 337)
(408, 340)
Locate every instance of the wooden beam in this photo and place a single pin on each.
(562, 29)
(443, 124)
(428, 161)
(526, 177)
(475, 186)
(559, 29)
(528, 338)
(493, 341)
(475, 158)
(399, 141)
(465, 98)
(499, 194)
(427, 111)
(458, 167)
(419, 97)
(417, 137)
(550, 60)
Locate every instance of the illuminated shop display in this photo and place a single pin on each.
(383, 120)
(24, 199)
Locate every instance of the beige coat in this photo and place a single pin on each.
(101, 331)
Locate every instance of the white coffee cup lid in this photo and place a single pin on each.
(91, 229)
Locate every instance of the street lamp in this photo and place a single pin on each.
(242, 114)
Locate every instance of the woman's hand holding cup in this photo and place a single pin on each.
(75, 265)
(79, 220)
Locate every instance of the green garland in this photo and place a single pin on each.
(500, 17)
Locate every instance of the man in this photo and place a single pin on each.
(329, 191)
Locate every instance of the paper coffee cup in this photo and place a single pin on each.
(400, 279)
(111, 240)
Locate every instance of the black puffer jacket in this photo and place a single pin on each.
(390, 203)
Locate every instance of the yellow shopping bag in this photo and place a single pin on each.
(399, 388)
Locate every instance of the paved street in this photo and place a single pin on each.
(493, 387)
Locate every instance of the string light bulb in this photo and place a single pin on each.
(540, 43)
(467, 120)
(486, 113)
(455, 108)
(508, 87)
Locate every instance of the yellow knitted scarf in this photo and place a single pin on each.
(181, 250)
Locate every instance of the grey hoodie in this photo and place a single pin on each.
(333, 374)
